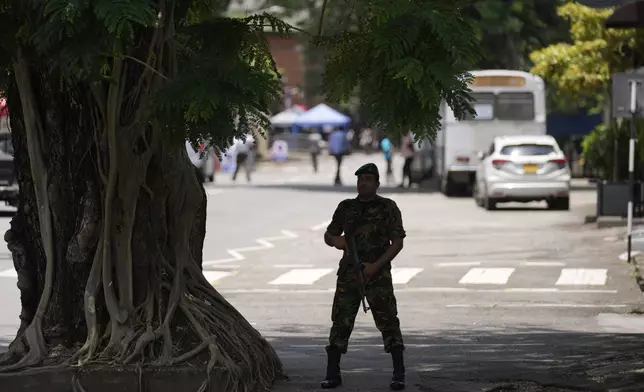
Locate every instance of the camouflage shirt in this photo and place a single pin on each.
(374, 224)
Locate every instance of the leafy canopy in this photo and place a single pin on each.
(581, 70)
(219, 78)
(406, 57)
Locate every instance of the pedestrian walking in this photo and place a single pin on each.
(408, 152)
(338, 148)
(315, 140)
(374, 224)
(386, 146)
(244, 156)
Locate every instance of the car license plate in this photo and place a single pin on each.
(530, 169)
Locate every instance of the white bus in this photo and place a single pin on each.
(507, 102)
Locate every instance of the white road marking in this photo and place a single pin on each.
(404, 275)
(624, 256)
(265, 243)
(321, 226)
(459, 264)
(582, 277)
(457, 290)
(228, 266)
(533, 305)
(487, 276)
(10, 273)
(294, 265)
(425, 345)
(301, 276)
(213, 276)
(543, 263)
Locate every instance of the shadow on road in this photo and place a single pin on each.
(384, 190)
(527, 360)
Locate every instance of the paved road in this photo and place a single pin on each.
(521, 293)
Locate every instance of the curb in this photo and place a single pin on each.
(638, 269)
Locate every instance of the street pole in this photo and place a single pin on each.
(631, 167)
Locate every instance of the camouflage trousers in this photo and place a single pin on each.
(382, 301)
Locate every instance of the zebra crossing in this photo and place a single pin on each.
(313, 277)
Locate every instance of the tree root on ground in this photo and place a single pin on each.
(180, 318)
(183, 307)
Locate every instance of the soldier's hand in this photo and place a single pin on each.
(369, 270)
(339, 242)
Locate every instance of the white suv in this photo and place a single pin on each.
(523, 169)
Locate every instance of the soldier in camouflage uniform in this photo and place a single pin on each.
(376, 225)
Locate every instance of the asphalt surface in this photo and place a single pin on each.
(516, 298)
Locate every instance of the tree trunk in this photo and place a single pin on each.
(108, 238)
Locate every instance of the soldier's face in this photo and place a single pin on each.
(367, 184)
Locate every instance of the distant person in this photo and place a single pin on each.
(315, 140)
(366, 140)
(386, 147)
(244, 156)
(338, 148)
(407, 152)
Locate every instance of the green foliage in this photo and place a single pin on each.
(218, 75)
(406, 57)
(598, 148)
(580, 71)
(223, 87)
(510, 31)
(225, 77)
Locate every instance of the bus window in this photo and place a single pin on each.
(515, 106)
(484, 105)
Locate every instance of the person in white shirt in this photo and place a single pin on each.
(244, 155)
(315, 146)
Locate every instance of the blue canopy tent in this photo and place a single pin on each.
(319, 116)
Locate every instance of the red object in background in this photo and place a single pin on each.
(4, 110)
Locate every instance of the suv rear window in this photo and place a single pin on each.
(527, 149)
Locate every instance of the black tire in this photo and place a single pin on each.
(489, 204)
(477, 196)
(559, 204)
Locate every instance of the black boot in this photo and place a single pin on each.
(398, 380)
(333, 378)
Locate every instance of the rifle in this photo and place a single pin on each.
(357, 265)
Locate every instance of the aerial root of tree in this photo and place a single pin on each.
(185, 308)
(181, 318)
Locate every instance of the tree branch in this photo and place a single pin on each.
(322, 11)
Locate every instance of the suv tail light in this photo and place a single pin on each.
(498, 163)
(561, 163)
